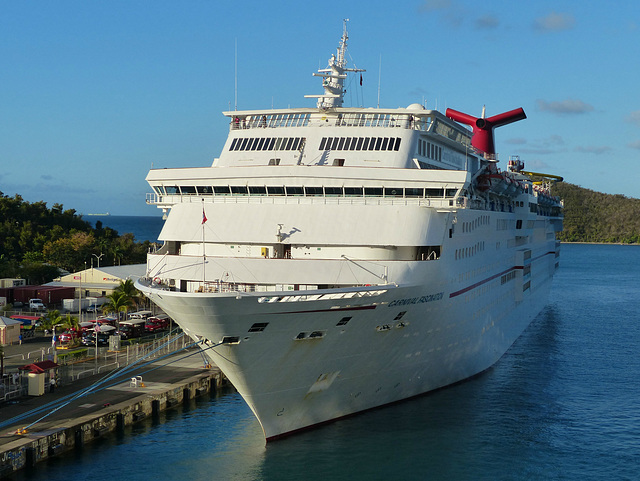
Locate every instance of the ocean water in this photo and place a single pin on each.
(562, 404)
(142, 227)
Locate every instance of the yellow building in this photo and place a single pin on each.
(99, 282)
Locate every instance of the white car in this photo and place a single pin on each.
(36, 305)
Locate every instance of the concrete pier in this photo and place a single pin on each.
(89, 417)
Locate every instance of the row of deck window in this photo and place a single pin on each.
(268, 143)
(327, 143)
(277, 190)
(360, 143)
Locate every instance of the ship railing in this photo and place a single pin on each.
(215, 287)
(222, 286)
(242, 122)
(308, 200)
(356, 119)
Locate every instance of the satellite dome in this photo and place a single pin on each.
(415, 107)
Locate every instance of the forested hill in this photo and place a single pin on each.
(591, 216)
(36, 241)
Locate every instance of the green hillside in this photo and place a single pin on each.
(591, 216)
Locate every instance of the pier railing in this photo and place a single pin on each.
(72, 368)
(106, 360)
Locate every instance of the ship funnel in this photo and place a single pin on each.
(483, 127)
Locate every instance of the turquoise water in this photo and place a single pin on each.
(563, 403)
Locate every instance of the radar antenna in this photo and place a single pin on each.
(334, 75)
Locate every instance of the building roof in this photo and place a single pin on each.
(102, 278)
(5, 321)
(125, 272)
(38, 367)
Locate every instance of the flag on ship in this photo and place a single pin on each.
(204, 216)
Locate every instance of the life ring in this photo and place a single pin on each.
(157, 280)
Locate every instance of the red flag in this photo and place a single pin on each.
(204, 217)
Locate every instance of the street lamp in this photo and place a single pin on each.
(98, 257)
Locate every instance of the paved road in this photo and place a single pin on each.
(15, 355)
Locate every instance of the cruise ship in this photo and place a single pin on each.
(336, 259)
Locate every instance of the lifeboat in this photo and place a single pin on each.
(499, 183)
(483, 183)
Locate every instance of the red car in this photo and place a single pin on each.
(157, 323)
(67, 336)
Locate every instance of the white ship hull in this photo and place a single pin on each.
(450, 331)
(333, 260)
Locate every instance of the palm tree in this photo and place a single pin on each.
(51, 319)
(71, 323)
(118, 302)
(128, 287)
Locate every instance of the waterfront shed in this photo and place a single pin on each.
(9, 331)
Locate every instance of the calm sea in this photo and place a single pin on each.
(563, 403)
(142, 227)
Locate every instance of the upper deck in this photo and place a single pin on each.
(346, 136)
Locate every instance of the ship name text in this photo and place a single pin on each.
(417, 300)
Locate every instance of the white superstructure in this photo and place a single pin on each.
(336, 259)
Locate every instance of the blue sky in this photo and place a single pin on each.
(93, 94)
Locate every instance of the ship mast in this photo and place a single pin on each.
(334, 75)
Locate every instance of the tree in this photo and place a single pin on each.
(128, 287)
(118, 302)
(70, 322)
(52, 319)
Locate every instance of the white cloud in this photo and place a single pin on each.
(486, 22)
(554, 22)
(431, 5)
(634, 145)
(633, 117)
(569, 106)
(550, 145)
(452, 12)
(594, 149)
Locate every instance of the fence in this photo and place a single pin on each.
(83, 362)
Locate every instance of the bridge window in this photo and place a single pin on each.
(239, 190)
(295, 191)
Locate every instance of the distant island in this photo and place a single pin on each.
(100, 215)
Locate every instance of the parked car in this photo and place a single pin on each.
(106, 321)
(36, 305)
(157, 323)
(104, 332)
(68, 336)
